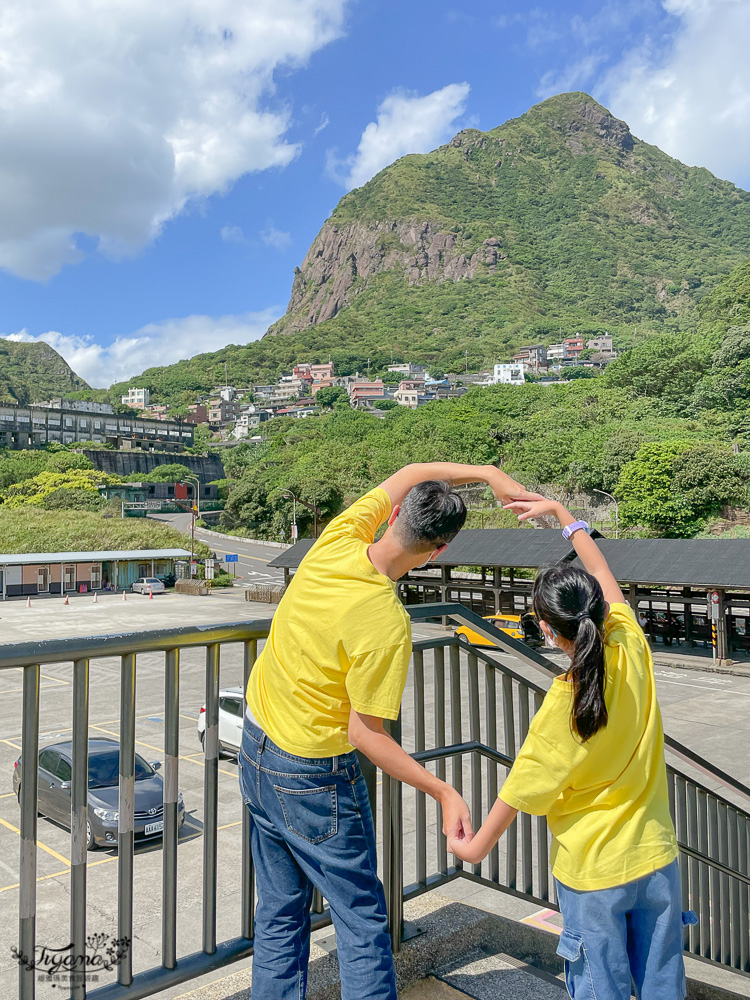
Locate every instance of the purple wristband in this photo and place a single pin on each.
(570, 529)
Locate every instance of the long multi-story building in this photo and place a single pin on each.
(70, 421)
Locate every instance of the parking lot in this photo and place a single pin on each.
(708, 712)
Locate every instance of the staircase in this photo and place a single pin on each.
(488, 977)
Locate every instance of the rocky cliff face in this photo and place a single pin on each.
(348, 252)
(342, 254)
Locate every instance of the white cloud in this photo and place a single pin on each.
(325, 121)
(406, 124)
(115, 115)
(275, 238)
(572, 77)
(232, 234)
(692, 98)
(154, 344)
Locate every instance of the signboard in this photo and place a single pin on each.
(231, 558)
(193, 568)
(294, 532)
(714, 596)
(209, 569)
(714, 612)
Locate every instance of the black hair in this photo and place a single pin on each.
(431, 515)
(571, 601)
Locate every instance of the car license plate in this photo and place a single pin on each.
(154, 828)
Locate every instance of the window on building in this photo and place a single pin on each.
(96, 576)
(42, 580)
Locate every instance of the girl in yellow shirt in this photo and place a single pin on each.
(593, 764)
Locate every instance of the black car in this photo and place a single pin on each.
(54, 784)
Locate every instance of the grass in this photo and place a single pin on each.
(29, 530)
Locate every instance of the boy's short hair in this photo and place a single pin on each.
(431, 515)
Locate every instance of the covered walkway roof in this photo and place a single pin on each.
(700, 563)
(32, 558)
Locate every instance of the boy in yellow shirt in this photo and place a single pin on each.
(333, 668)
(593, 764)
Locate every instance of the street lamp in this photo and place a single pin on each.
(617, 510)
(310, 506)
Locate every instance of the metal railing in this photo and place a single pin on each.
(465, 716)
(481, 708)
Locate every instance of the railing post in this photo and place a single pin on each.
(393, 858)
(126, 818)
(170, 811)
(29, 775)
(78, 822)
(210, 798)
(247, 919)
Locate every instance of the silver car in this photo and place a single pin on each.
(54, 789)
(148, 584)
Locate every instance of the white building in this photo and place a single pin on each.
(555, 352)
(407, 368)
(510, 374)
(138, 399)
(602, 344)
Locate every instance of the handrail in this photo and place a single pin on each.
(507, 644)
(20, 654)
(473, 746)
(459, 613)
(710, 770)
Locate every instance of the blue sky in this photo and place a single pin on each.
(163, 173)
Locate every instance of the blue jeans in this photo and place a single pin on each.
(631, 932)
(311, 826)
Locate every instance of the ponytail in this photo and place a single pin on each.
(571, 601)
(587, 674)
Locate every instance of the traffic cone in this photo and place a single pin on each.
(28, 602)
(96, 598)
(150, 594)
(124, 595)
(67, 598)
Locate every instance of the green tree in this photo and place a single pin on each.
(672, 487)
(329, 396)
(385, 404)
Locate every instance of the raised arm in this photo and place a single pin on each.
(399, 484)
(586, 548)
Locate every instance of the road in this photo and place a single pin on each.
(251, 565)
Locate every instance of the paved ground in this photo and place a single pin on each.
(709, 713)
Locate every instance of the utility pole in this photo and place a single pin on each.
(466, 352)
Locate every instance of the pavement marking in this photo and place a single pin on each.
(113, 857)
(12, 744)
(244, 555)
(540, 919)
(48, 850)
(7, 795)
(701, 687)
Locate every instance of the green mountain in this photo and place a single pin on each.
(556, 222)
(33, 372)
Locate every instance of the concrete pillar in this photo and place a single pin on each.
(633, 597)
(722, 645)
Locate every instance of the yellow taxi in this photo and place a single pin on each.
(522, 627)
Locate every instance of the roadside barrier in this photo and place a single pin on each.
(96, 598)
(67, 599)
(28, 602)
(150, 594)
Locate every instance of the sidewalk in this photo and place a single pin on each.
(687, 657)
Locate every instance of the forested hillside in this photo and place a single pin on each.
(33, 372)
(657, 428)
(559, 221)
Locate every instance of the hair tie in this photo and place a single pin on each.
(582, 614)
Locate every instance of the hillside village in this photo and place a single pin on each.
(239, 413)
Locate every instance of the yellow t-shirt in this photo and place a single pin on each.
(605, 800)
(340, 639)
